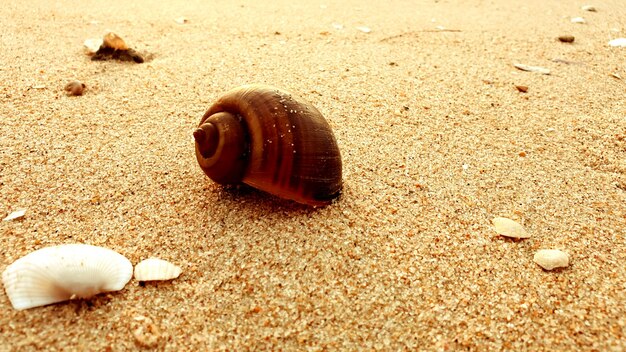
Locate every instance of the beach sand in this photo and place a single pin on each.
(436, 141)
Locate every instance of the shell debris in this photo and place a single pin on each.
(18, 214)
(579, 20)
(92, 45)
(60, 273)
(589, 8)
(509, 228)
(154, 269)
(551, 259)
(618, 42)
(529, 68)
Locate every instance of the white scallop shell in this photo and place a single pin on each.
(60, 273)
(154, 269)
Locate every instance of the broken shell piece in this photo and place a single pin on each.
(181, 20)
(509, 228)
(620, 42)
(75, 88)
(154, 269)
(65, 272)
(364, 29)
(114, 48)
(114, 41)
(578, 20)
(529, 68)
(589, 8)
(92, 45)
(551, 259)
(18, 214)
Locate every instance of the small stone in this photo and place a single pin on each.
(509, 228)
(589, 8)
(579, 20)
(364, 29)
(522, 154)
(551, 259)
(75, 88)
(566, 38)
(18, 214)
(522, 89)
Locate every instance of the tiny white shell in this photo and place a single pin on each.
(551, 259)
(509, 228)
(60, 273)
(92, 45)
(18, 214)
(154, 269)
(578, 20)
(618, 42)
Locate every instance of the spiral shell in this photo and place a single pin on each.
(272, 140)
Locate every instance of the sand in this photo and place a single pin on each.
(435, 138)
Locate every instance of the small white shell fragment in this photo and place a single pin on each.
(337, 26)
(618, 42)
(529, 68)
(551, 259)
(154, 269)
(92, 45)
(578, 20)
(65, 272)
(18, 214)
(509, 228)
(589, 8)
(181, 20)
(364, 29)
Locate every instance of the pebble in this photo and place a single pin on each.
(589, 8)
(75, 88)
(578, 20)
(364, 29)
(566, 38)
(509, 228)
(551, 259)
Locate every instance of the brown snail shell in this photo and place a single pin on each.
(272, 140)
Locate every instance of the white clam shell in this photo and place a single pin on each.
(60, 273)
(509, 228)
(155, 269)
(551, 259)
